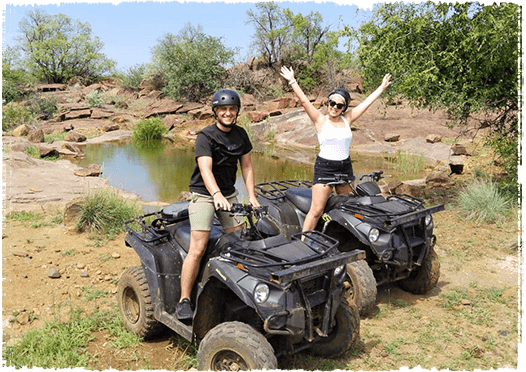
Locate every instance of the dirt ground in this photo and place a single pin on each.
(472, 257)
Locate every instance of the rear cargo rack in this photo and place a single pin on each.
(276, 189)
(153, 231)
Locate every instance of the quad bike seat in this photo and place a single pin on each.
(301, 197)
(182, 235)
(176, 211)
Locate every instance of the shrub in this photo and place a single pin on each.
(105, 212)
(134, 76)
(95, 98)
(13, 115)
(481, 201)
(148, 130)
(43, 107)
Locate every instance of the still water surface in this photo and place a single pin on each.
(160, 174)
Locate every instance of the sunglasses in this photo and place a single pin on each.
(338, 105)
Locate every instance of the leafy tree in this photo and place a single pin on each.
(462, 56)
(302, 42)
(13, 76)
(192, 63)
(57, 48)
(271, 31)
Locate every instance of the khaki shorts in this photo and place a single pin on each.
(201, 212)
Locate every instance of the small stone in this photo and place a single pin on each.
(115, 255)
(84, 274)
(391, 137)
(81, 266)
(22, 318)
(24, 276)
(21, 254)
(53, 273)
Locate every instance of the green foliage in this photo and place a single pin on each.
(302, 42)
(148, 130)
(13, 75)
(408, 163)
(105, 212)
(60, 345)
(43, 107)
(192, 63)
(95, 98)
(271, 31)
(462, 56)
(15, 114)
(57, 48)
(134, 75)
(482, 202)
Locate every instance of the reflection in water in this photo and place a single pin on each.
(161, 173)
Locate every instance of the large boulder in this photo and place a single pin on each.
(73, 136)
(21, 131)
(36, 136)
(90, 170)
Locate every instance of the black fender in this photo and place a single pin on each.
(162, 263)
(232, 277)
(354, 225)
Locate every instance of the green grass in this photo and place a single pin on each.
(407, 163)
(105, 211)
(24, 216)
(482, 202)
(60, 345)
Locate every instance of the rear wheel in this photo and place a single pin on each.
(135, 303)
(360, 286)
(235, 346)
(426, 278)
(344, 334)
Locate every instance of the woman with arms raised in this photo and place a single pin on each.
(334, 136)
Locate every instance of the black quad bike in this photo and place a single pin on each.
(256, 298)
(396, 232)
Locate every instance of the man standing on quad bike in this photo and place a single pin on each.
(218, 149)
(334, 136)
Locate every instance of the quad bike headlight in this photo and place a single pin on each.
(261, 293)
(374, 234)
(339, 270)
(428, 219)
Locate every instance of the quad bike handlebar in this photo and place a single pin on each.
(375, 176)
(337, 180)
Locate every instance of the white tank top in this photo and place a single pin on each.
(335, 142)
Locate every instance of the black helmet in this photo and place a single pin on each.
(341, 92)
(225, 97)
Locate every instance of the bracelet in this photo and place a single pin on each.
(292, 81)
(215, 193)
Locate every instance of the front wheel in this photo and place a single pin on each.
(360, 286)
(426, 278)
(343, 335)
(235, 346)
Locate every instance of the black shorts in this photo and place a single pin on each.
(327, 169)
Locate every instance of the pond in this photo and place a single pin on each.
(162, 173)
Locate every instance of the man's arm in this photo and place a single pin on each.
(247, 170)
(205, 167)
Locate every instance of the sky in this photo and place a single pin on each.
(130, 29)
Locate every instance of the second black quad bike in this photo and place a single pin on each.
(256, 298)
(396, 232)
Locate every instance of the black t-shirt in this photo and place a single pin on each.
(226, 150)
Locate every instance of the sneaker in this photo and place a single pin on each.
(184, 309)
